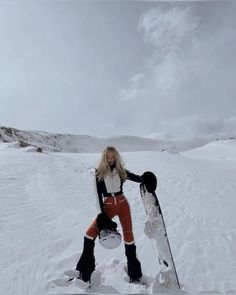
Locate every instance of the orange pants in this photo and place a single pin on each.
(113, 206)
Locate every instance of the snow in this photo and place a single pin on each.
(216, 150)
(72, 143)
(47, 201)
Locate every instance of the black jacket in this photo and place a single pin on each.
(102, 188)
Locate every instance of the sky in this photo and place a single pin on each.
(109, 68)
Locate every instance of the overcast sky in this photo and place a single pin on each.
(118, 67)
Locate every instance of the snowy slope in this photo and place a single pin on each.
(216, 150)
(47, 201)
(70, 143)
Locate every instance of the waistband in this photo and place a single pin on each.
(114, 194)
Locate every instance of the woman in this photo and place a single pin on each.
(110, 176)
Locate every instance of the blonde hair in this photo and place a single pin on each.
(103, 168)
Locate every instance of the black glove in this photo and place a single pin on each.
(104, 222)
(142, 180)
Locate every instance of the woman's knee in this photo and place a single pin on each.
(93, 231)
(128, 237)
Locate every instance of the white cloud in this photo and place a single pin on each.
(135, 89)
(197, 125)
(167, 30)
(187, 87)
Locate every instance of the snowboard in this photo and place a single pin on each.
(155, 229)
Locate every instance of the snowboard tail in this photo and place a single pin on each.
(155, 229)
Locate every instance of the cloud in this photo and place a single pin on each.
(196, 125)
(167, 30)
(188, 81)
(135, 88)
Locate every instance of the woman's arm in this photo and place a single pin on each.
(99, 194)
(133, 177)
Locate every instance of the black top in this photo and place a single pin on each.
(102, 190)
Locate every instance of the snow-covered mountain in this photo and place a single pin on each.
(84, 143)
(47, 201)
(79, 143)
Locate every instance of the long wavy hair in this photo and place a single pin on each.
(103, 168)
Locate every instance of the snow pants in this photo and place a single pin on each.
(116, 206)
(113, 206)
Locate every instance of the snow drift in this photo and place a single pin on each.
(47, 201)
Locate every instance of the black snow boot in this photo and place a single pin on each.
(86, 263)
(134, 266)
